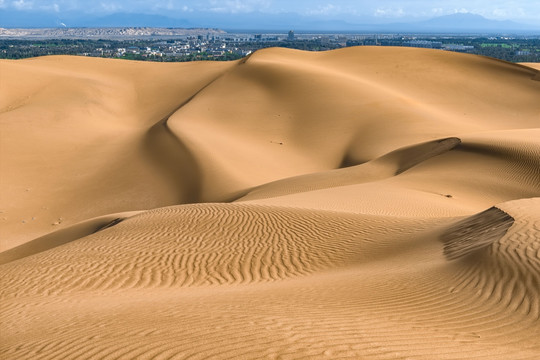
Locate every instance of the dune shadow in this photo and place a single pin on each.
(407, 157)
(178, 166)
(410, 157)
(64, 236)
(475, 233)
(172, 156)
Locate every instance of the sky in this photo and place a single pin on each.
(526, 11)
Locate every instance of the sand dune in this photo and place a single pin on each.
(365, 203)
(532, 65)
(103, 152)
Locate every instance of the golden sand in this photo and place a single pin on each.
(364, 203)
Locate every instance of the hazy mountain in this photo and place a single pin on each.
(135, 20)
(456, 23)
(466, 22)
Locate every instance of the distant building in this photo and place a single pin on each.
(457, 47)
(291, 36)
(133, 50)
(424, 44)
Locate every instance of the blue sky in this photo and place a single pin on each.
(518, 10)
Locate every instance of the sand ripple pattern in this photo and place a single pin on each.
(387, 207)
(505, 270)
(348, 294)
(195, 245)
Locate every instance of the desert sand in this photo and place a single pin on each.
(364, 203)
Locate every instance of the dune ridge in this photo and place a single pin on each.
(364, 203)
(64, 236)
(476, 232)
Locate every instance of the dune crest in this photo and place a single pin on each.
(64, 236)
(364, 203)
(476, 232)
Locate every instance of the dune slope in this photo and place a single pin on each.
(365, 203)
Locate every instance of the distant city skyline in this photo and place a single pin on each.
(345, 10)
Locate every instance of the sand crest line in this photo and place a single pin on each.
(64, 236)
(475, 233)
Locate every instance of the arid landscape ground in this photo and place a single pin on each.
(363, 203)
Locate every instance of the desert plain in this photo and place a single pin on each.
(363, 203)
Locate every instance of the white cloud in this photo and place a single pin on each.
(164, 5)
(389, 12)
(501, 13)
(169, 5)
(351, 10)
(327, 9)
(51, 7)
(110, 7)
(239, 6)
(22, 5)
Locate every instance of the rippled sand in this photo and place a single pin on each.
(364, 203)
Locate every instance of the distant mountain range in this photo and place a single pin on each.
(464, 22)
(456, 23)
